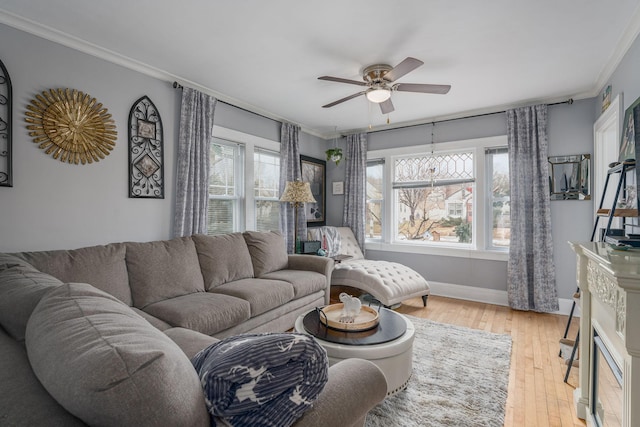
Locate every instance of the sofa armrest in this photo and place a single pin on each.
(355, 386)
(319, 264)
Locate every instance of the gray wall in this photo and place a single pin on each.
(570, 132)
(56, 205)
(53, 205)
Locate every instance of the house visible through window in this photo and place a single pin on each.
(456, 196)
(266, 166)
(431, 192)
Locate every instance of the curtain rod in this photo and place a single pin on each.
(177, 85)
(568, 101)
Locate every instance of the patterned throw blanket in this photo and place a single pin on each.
(261, 379)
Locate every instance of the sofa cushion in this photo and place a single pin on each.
(191, 342)
(203, 312)
(107, 365)
(21, 288)
(262, 295)
(223, 258)
(163, 269)
(100, 266)
(268, 251)
(303, 282)
(155, 322)
(23, 400)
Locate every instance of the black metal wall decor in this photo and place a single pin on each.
(6, 175)
(146, 152)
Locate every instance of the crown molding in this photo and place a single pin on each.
(65, 39)
(626, 40)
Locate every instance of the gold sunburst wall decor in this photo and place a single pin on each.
(71, 126)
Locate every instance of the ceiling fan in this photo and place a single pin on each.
(380, 78)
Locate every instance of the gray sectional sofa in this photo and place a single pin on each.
(103, 335)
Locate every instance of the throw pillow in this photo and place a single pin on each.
(107, 365)
(268, 251)
(101, 266)
(223, 258)
(262, 379)
(162, 270)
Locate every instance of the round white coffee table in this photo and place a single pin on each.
(394, 357)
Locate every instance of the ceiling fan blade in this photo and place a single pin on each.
(387, 106)
(406, 66)
(422, 88)
(341, 80)
(355, 95)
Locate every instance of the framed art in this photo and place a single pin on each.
(338, 188)
(146, 151)
(630, 132)
(6, 127)
(313, 172)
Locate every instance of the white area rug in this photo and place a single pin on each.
(460, 378)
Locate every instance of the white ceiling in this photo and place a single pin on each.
(266, 55)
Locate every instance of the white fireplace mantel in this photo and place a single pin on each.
(609, 282)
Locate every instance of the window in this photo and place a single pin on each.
(373, 226)
(454, 198)
(498, 192)
(243, 182)
(266, 167)
(225, 187)
(431, 193)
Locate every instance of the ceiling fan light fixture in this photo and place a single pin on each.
(378, 95)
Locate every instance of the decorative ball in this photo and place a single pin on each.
(322, 252)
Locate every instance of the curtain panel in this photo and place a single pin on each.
(355, 186)
(531, 271)
(290, 171)
(192, 178)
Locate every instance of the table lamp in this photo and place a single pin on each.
(297, 193)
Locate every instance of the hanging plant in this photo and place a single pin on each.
(334, 155)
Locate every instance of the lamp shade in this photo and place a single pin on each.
(297, 192)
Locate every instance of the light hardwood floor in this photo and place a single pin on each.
(537, 394)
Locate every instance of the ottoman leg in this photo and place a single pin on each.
(424, 299)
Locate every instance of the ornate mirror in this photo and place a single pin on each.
(569, 177)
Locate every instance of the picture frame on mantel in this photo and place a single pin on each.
(313, 172)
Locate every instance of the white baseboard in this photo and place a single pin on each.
(489, 296)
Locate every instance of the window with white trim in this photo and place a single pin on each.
(225, 187)
(431, 193)
(373, 226)
(266, 167)
(454, 196)
(499, 201)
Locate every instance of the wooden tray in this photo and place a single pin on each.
(330, 317)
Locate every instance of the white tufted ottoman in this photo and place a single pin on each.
(388, 282)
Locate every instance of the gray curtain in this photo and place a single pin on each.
(290, 171)
(192, 179)
(355, 186)
(531, 272)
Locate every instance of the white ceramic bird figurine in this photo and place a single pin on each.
(352, 306)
